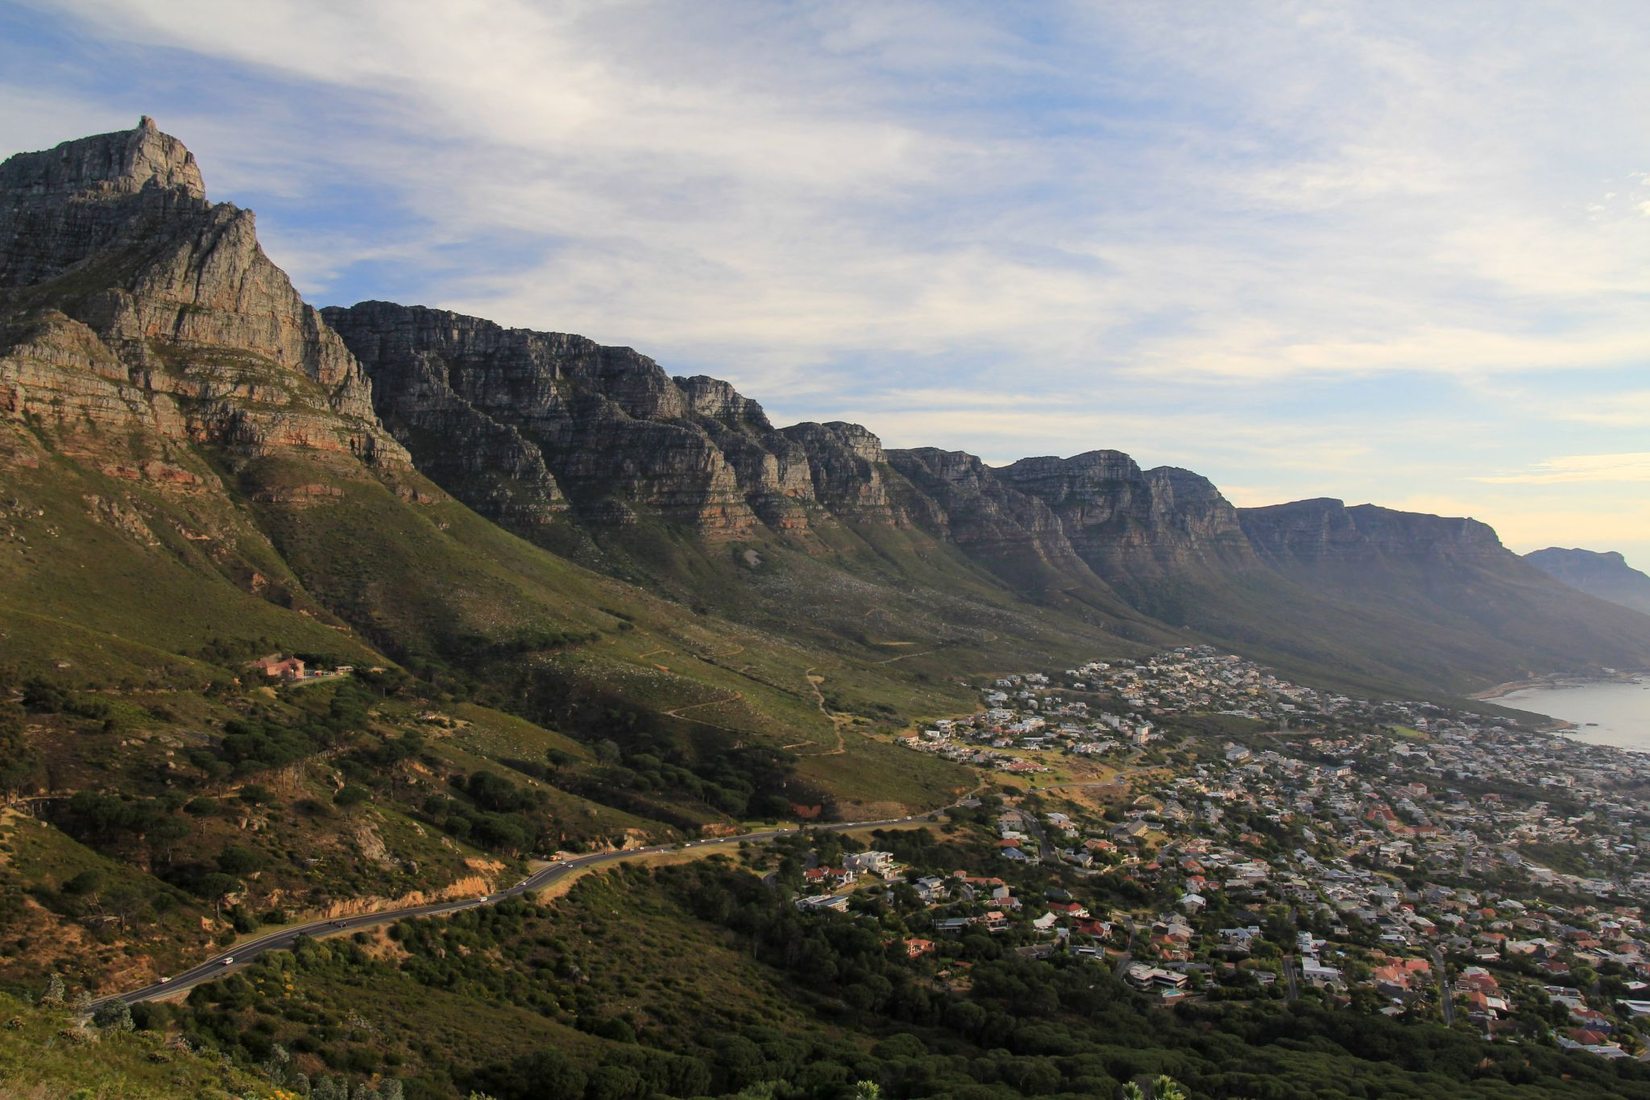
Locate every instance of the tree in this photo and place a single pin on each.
(1167, 1088)
(54, 990)
(237, 859)
(218, 886)
(124, 901)
(165, 836)
(116, 1015)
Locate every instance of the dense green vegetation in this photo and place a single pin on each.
(699, 979)
(46, 1051)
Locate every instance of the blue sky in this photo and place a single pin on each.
(1386, 252)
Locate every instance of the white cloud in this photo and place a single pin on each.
(1151, 227)
(1631, 466)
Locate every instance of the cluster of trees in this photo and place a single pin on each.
(41, 696)
(263, 740)
(20, 766)
(646, 758)
(474, 651)
(745, 781)
(494, 813)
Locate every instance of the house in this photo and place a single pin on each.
(1130, 830)
(931, 888)
(876, 863)
(828, 876)
(1144, 977)
(1317, 973)
(836, 903)
(1241, 938)
(276, 667)
(916, 948)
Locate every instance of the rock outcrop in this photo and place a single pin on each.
(111, 241)
(615, 437)
(1324, 531)
(970, 504)
(1135, 528)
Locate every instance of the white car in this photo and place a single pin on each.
(227, 959)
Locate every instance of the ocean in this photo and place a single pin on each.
(1604, 713)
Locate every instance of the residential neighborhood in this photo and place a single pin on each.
(1211, 831)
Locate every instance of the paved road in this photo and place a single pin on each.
(1445, 998)
(1292, 989)
(241, 954)
(1127, 956)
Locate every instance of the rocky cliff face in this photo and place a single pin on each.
(1326, 531)
(973, 506)
(613, 434)
(1606, 575)
(127, 299)
(137, 319)
(1135, 527)
(87, 196)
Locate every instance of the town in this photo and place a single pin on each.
(1213, 832)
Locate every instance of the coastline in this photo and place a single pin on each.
(1610, 710)
(1554, 680)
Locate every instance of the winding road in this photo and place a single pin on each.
(241, 954)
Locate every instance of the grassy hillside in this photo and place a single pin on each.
(46, 1054)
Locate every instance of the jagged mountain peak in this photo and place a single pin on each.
(1607, 557)
(85, 197)
(120, 162)
(111, 241)
(714, 398)
(1102, 464)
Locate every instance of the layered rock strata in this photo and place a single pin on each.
(1324, 530)
(1135, 527)
(127, 299)
(603, 430)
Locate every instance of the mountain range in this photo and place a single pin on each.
(563, 602)
(166, 385)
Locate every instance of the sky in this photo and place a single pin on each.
(1391, 253)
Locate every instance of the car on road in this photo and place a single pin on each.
(338, 924)
(227, 959)
(164, 978)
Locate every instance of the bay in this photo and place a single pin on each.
(1615, 712)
